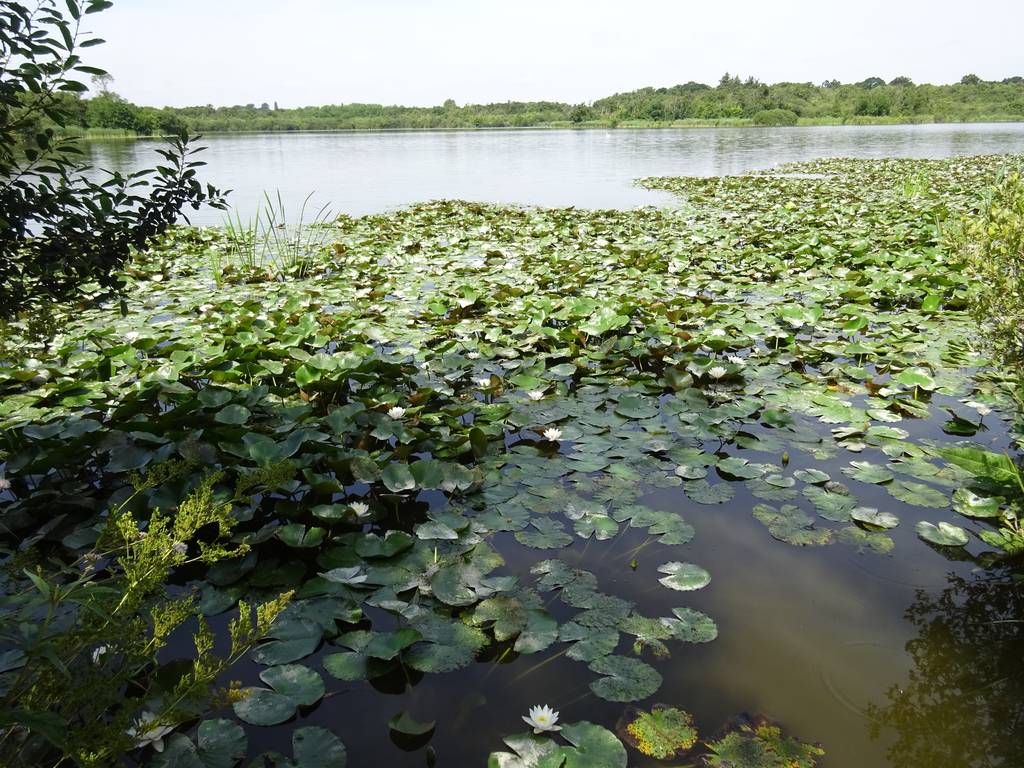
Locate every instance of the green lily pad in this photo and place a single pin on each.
(664, 733)
(683, 577)
(872, 517)
(625, 679)
(291, 686)
(944, 534)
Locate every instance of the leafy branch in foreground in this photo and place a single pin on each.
(80, 678)
(59, 226)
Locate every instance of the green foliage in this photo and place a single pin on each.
(993, 244)
(84, 679)
(776, 117)
(664, 733)
(58, 229)
(733, 101)
(760, 744)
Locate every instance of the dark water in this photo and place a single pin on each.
(359, 173)
(888, 661)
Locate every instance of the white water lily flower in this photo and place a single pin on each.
(717, 332)
(5, 484)
(737, 360)
(542, 719)
(484, 382)
(981, 408)
(554, 435)
(145, 733)
(132, 336)
(359, 508)
(99, 652)
(717, 372)
(396, 412)
(535, 394)
(473, 355)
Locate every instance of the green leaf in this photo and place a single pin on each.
(291, 686)
(398, 478)
(592, 747)
(997, 467)
(943, 534)
(625, 679)
(233, 414)
(664, 733)
(968, 503)
(288, 640)
(872, 517)
(405, 724)
(683, 577)
(691, 626)
(315, 747)
(918, 494)
(528, 751)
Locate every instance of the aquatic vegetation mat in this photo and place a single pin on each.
(454, 403)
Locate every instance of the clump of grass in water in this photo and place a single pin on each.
(268, 239)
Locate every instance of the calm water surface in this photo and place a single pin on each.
(359, 173)
(889, 661)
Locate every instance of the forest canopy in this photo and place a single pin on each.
(732, 100)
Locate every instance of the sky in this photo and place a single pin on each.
(421, 52)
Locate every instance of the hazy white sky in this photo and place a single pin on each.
(421, 52)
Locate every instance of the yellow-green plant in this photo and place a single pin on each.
(80, 678)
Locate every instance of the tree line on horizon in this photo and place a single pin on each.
(732, 100)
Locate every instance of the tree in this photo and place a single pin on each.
(970, 80)
(871, 82)
(58, 228)
(901, 80)
(102, 83)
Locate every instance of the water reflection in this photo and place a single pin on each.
(963, 701)
(370, 172)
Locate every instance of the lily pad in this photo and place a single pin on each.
(943, 534)
(664, 733)
(625, 679)
(683, 577)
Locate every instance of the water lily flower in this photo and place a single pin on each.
(99, 652)
(484, 382)
(535, 394)
(717, 372)
(5, 484)
(542, 719)
(981, 408)
(146, 734)
(717, 332)
(396, 412)
(554, 435)
(737, 360)
(359, 508)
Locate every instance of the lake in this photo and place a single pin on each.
(887, 658)
(358, 173)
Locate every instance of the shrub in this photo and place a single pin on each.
(59, 228)
(993, 244)
(775, 117)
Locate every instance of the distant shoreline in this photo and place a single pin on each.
(100, 134)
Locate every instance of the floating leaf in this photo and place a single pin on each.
(291, 686)
(944, 534)
(626, 679)
(664, 733)
(683, 576)
(871, 516)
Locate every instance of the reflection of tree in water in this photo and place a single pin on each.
(963, 706)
